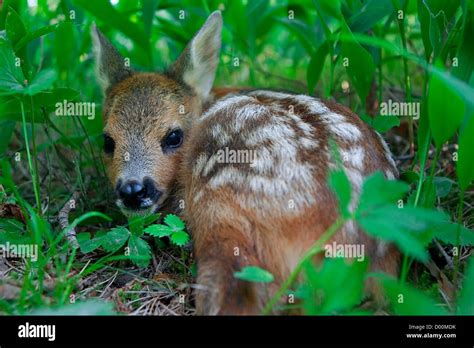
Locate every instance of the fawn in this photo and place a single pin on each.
(164, 138)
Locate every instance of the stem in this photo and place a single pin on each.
(458, 248)
(316, 248)
(401, 27)
(30, 162)
(432, 172)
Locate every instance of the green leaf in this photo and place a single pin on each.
(65, 48)
(148, 12)
(465, 163)
(446, 109)
(174, 222)
(140, 252)
(383, 124)
(406, 300)
(379, 215)
(447, 232)
(376, 190)
(331, 8)
(466, 297)
(341, 186)
(115, 239)
(11, 75)
(34, 35)
(159, 230)
(337, 286)
(47, 100)
(254, 274)
(87, 244)
(316, 65)
(42, 81)
(103, 10)
(14, 26)
(360, 65)
(179, 238)
(382, 224)
(443, 185)
(371, 12)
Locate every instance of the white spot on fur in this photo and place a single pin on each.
(199, 164)
(388, 153)
(225, 105)
(228, 175)
(355, 157)
(308, 144)
(389, 175)
(219, 134)
(272, 131)
(210, 164)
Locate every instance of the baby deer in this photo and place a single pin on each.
(246, 169)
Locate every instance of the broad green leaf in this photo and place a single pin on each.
(443, 185)
(159, 230)
(465, 163)
(87, 244)
(47, 100)
(34, 35)
(409, 177)
(447, 232)
(103, 10)
(136, 224)
(14, 26)
(383, 124)
(11, 76)
(65, 47)
(406, 300)
(465, 53)
(359, 65)
(316, 65)
(341, 186)
(424, 19)
(466, 297)
(148, 12)
(337, 286)
(371, 12)
(140, 252)
(254, 274)
(174, 222)
(302, 31)
(376, 191)
(42, 81)
(382, 226)
(331, 8)
(179, 238)
(446, 109)
(115, 239)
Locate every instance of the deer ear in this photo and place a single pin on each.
(197, 65)
(110, 65)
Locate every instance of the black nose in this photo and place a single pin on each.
(137, 195)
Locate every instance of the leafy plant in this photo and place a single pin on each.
(173, 228)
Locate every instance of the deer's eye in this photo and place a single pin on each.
(109, 144)
(173, 140)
